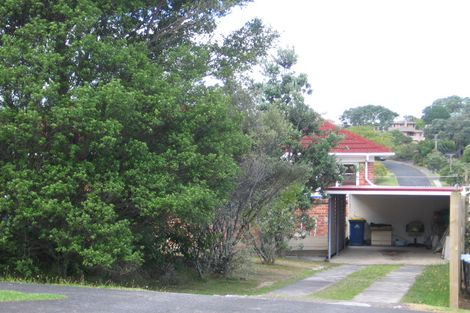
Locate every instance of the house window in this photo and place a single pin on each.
(350, 174)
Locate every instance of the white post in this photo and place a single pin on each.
(456, 244)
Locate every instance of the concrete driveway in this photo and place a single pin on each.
(407, 175)
(96, 300)
(369, 255)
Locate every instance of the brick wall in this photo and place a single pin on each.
(319, 211)
(362, 173)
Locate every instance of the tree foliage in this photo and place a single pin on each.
(114, 153)
(435, 161)
(262, 179)
(444, 108)
(277, 223)
(454, 127)
(369, 115)
(454, 174)
(108, 138)
(286, 90)
(466, 154)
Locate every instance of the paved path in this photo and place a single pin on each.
(407, 175)
(97, 300)
(317, 282)
(392, 287)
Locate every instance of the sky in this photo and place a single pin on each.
(401, 54)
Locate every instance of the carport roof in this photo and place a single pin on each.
(392, 190)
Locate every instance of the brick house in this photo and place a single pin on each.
(357, 154)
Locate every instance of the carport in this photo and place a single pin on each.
(398, 206)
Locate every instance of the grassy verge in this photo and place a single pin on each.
(389, 180)
(383, 176)
(431, 287)
(355, 283)
(255, 280)
(9, 295)
(59, 281)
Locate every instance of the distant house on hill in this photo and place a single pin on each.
(408, 129)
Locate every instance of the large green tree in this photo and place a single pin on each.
(454, 127)
(443, 108)
(108, 137)
(369, 115)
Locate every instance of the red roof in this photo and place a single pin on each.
(350, 143)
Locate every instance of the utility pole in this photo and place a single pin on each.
(450, 155)
(435, 142)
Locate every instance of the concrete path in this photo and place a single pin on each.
(392, 287)
(317, 282)
(407, 174)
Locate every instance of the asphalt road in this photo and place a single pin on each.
(407, 175)
(97, 300)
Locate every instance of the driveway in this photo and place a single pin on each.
(407, 175)
(369, 255)
(96, 300)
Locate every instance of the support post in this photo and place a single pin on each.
(330, 228)
(339, 205)
(456, 241)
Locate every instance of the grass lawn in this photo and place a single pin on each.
(255, 280)
(355, 283)
(431, 287)
(9, 295)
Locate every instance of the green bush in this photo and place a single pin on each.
(454, 174)
(435, 161)
(406, 151)
(380, 170)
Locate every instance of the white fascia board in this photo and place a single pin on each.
(389, 193)
(362, 154)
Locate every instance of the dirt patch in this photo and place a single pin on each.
(264, 284)
(464, 301)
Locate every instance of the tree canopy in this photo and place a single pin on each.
(107, 136)
(443, 108)
(286, 90)
(369, 115)
(454, 126)
(115, 155)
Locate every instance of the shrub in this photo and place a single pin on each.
(435, 161)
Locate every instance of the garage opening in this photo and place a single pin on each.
(399, 225)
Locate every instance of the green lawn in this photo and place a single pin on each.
(355, 283)
(431, 287)
(255, 280)
(9, 295)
